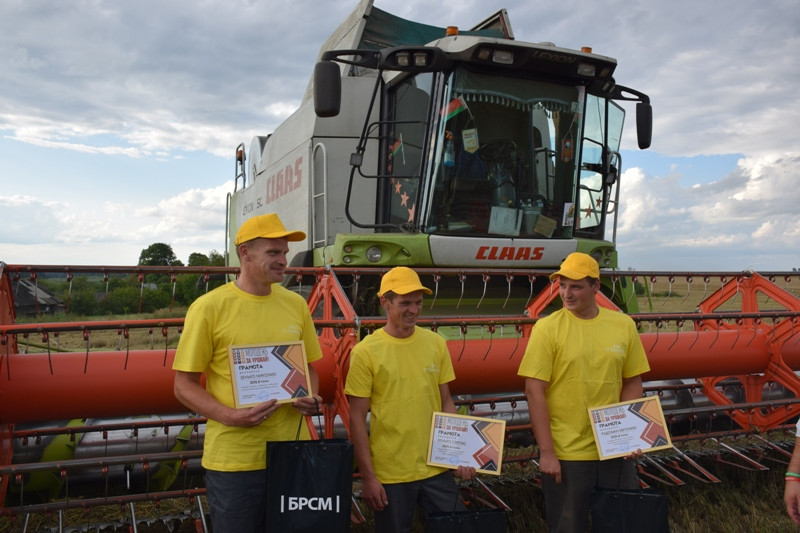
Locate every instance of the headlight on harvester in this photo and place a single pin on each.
(374, 254)
(408, 59)
(586, 70)
(504, 57)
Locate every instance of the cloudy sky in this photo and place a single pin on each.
(119, 120)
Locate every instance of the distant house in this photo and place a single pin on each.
(30, 300)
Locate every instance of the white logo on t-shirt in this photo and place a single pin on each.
(292, 330)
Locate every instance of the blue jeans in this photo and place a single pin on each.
(237, 501)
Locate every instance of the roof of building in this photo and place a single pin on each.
(27, 293)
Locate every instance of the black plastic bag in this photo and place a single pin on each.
(309, 485)
(478, 521)
(629, 511)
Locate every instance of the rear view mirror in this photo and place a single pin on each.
(644, 124)
(327, 89)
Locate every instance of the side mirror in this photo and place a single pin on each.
(644, 124)
(327, 89)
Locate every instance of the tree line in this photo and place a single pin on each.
(122, 294)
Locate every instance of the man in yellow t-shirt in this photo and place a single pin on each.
(579, 357)
(254, 309)
(400, 375)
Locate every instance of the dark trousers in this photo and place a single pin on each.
(237, 501)
(437, 494)
(567, 503)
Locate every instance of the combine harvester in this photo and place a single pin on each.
(480, 161)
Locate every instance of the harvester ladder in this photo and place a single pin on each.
(319, 202)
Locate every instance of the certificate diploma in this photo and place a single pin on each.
(261, 372)
(622, 428)
(460, 440)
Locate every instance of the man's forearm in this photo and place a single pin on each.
(540, 422)
(540, 416)
(360, 437)
(193, 395)
(631, 389)
(794, 462)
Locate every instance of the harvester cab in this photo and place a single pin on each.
(430, 147)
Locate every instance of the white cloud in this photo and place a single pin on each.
(748, 218)
(78, 147)
(192, 221)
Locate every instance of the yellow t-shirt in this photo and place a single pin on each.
(583, 362)
(229, 316)
(401, 377)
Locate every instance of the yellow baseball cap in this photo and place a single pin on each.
(402, 280)
(577, 266)
(267, 226)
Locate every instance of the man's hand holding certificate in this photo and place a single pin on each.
(264, 372)
(623, 428)
(469, 441)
